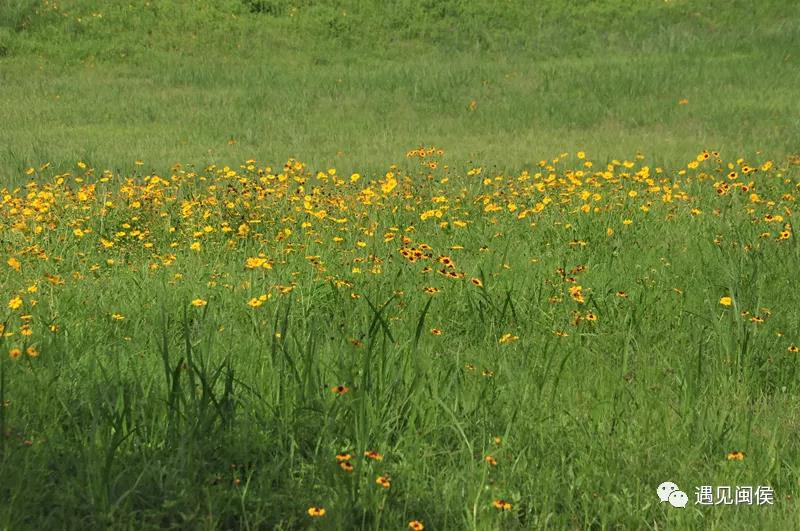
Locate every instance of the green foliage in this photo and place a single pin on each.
(6, 39)
(17, 15)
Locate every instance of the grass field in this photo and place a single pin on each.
(277, 264)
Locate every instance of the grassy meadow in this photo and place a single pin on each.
(285, 264)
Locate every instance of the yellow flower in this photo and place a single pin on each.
(255, 302)
(576, 292)
(14, 353)
(416, 525)
(389, 185)
(15, 303)
(384, 481)
(32, 352)
(725, 301)
(507, 338)
(735, 456)
(14, 264)
(255, 262)
(199, 302)
(117, 316)
(195, 246)
(316, 512)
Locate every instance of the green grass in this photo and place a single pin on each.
(222, 416)
(115, 89)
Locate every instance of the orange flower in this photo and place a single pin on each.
(384, 481)
(736, 455)
(347, 466)
(490, 460)
(502, 505)
(372, 454)
(416, 525)
(446, 261)
(340, 389)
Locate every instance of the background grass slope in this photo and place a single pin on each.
(356, 83)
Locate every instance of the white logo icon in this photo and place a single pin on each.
(678, 499)
(669, 492)
(665, 489)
